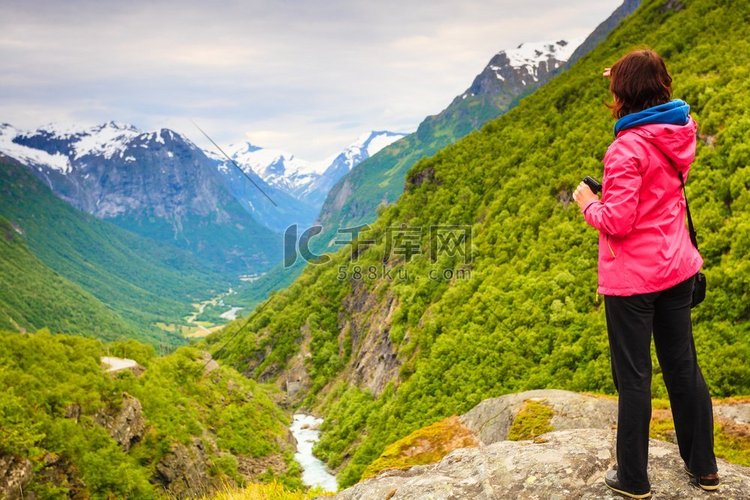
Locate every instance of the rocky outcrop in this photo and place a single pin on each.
(295, 381)
(491, 419)
(738, 413)
(424, 446)
(568, 462)
(209, 363)
(560, 464)
(252, 467)
(15, 474)
(368, 326)
(183, 472)
(126, 425)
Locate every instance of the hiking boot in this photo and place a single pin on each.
(707, 482)
(614, 484)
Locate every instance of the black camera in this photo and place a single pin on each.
(592, 183)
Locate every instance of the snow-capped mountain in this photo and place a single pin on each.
(307, 181)
(528, 64)
(57, 147)
(277, 168)
(156, 183)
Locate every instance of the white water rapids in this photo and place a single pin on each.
(314, 472)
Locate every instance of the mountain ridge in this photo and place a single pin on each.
(308, 181)
(157, 184)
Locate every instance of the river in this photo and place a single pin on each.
(314, 472)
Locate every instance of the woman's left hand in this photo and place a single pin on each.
(583, 195)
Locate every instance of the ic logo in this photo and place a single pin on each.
(295, 246)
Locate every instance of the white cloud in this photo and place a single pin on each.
(303, 76)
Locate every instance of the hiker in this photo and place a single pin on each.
(647, 265)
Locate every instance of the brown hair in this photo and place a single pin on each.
(639, 80)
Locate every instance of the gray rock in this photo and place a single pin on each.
(15, 474)
(738, 413)
(491, 419)
(127, 425)
(183, 472)
(558, 465)
(210, 363)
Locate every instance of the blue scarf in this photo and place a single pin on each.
(675, 112)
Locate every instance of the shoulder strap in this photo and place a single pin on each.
(691, 228)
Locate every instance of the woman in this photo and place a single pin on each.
(646, 268)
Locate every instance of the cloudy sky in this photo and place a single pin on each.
(304, 76)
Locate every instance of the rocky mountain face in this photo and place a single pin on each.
(158, 184)
(513, 70)
(308, 182)
(274, 207)
(567, 459)
(365, 147)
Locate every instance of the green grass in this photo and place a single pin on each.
(270, 491)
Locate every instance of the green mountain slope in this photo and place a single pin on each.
(382, 355)
(181, 428)
(139, 279)
(33, 296)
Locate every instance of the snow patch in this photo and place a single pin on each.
(381, 140)
(103, 140)
(295, 175)
(31, 156)
(537, 52)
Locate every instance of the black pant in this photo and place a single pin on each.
(630, 321)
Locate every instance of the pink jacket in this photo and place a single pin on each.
(644, 245)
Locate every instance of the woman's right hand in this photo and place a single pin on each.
(583, 195)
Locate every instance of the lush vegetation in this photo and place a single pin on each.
(140, 280)
(33, 296)
(53, 391)
(525, 313)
